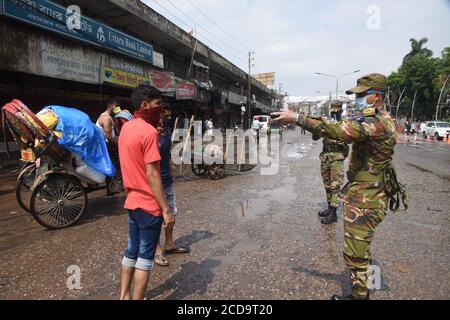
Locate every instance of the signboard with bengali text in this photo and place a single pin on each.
(122, 78)
(51, 16)
(185, 91)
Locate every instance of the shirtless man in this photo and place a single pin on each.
(106, 123)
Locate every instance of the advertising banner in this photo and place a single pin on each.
(185, 91)
(122, 78)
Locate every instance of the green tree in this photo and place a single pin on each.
(444, 62)
(442, 85)
(413, 87)
(396, 90)
(417, 48)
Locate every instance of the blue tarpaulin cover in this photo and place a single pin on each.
(83, 138)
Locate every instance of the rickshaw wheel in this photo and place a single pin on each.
(199, 169)
(216, 171)
(23, 189)
(58, 202)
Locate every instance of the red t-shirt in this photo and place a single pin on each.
(138, 146)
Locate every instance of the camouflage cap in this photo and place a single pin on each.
(373, 81)
(336, 106)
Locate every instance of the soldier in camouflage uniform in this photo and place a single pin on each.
(366, 196)
(332, 168)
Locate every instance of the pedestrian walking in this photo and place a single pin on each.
(408, 126)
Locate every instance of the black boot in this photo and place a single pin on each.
(331, 217)
(350, 297)
(326, 212)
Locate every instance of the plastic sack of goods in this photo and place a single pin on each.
(80, 136)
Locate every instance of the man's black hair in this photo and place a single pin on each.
(144, 93)
(112, 101)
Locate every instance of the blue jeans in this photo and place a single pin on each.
(169, 191)
(144, 231)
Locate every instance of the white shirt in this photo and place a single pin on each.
(112, 122)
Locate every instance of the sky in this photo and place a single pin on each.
(297, 38)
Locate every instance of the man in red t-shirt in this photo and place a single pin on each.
(146, 202)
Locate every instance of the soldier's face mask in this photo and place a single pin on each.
(361, 101)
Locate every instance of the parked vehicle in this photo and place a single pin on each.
(263, 121)
(54, 182)
(436, 129)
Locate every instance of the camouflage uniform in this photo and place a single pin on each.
(332, 163)
(365, 199)
(332, 169)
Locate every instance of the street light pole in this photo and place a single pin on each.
(249, 98)
(337, 78)
(280, 95)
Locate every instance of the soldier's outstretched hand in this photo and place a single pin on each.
(285, 116)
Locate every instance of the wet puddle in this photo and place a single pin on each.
(260, 203)
(298, 151)
(234, 255)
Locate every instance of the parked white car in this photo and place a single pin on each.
(263, 122)
(436, 129)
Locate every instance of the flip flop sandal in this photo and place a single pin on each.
(161, 261)
(178, 250)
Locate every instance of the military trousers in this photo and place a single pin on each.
(333, 176)
(359, 228)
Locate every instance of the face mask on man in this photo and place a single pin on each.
(361, 103)
(117, 110)
(149, 115)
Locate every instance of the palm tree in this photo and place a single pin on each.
(417, 48)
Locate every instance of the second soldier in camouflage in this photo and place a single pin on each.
(332, 168)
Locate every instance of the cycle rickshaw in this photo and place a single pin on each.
(51, 186)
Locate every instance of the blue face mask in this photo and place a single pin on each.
(361, 103)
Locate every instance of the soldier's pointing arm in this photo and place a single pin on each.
(354, 131)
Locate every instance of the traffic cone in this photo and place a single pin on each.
(415, 138)
(445, 139)
(429, 138)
